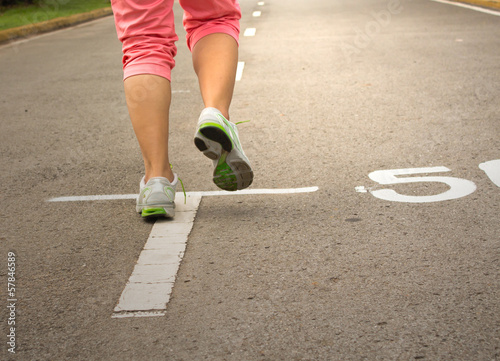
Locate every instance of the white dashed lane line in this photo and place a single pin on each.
(239, 70)
(249, 32)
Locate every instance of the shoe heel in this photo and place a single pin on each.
(158, 212)
(217, 135)
(210, 149)
(200, 144)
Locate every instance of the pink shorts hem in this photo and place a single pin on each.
(153, 69)
(146, 30)
(224, 29)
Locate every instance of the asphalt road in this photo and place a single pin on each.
(335, 90)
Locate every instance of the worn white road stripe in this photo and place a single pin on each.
(107, 197)
(148, 289)
(260, 3)
(471, 7)
(257, 13)
(100, 197)
(239, 70)
(250, 32)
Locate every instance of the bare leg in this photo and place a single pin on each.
(148, 100)
(215, 59)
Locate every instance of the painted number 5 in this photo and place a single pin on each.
(492, 170)
(458, 187)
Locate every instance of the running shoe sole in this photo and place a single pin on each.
(155, 212)
(232, 172)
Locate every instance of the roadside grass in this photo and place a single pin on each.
(20, 15)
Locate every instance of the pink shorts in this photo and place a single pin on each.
(146, 30)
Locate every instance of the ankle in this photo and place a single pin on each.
(164, 174)
(223, 110)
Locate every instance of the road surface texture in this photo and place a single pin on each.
(335, 90)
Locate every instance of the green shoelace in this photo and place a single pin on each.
(182, 185)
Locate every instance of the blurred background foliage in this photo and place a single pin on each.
(14, 13)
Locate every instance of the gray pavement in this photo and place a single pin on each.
(335, 90)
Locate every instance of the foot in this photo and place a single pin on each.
(156, 197)
(217, 138)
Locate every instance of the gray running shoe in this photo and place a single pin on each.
(156, 197)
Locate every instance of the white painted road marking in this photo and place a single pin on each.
(458, 187)
(104, 197)
(257, 13)
(492, 170)
(249, 32)
(257, 191)
(361, 189)
(239, 70)
(472, 7)
(109, 197)
(148, 289)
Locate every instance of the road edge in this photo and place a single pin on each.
(491, 4)
(51, 25)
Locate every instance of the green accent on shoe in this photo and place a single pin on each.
(234, 136)
(153, 212)
(182, 184)
(209, 124)
(218, 139)
(183, 189)
(224, 176)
